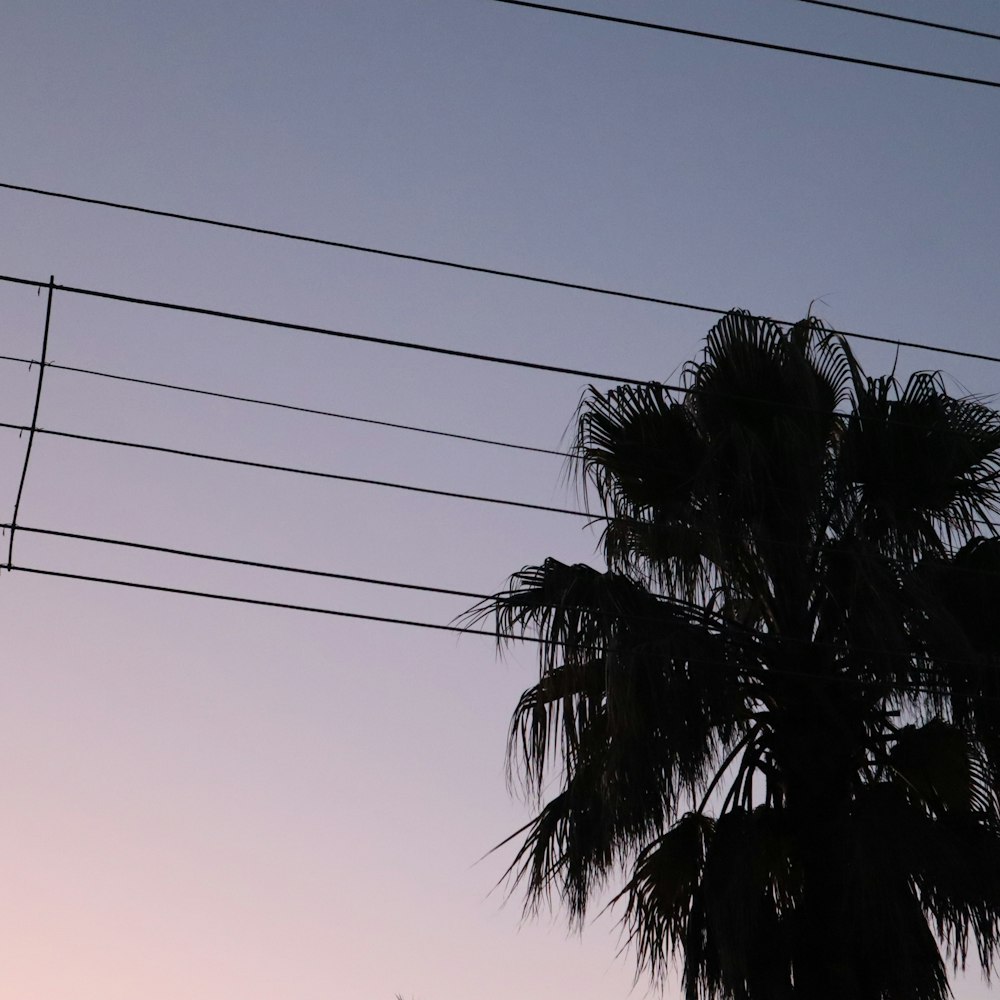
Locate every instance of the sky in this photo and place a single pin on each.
(224, 801)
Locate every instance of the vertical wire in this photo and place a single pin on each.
(34, 422)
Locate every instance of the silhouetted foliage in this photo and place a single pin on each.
(777, 714)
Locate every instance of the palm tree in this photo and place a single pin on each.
(776, 715)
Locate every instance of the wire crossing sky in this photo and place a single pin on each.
(573, 286)
(937, 25)
(754, 43)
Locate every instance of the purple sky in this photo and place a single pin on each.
(224, 802)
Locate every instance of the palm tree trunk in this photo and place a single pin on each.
(818, 771)
(822, 951)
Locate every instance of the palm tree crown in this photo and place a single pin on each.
(777, 712)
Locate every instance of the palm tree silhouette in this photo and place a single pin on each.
(777, 714)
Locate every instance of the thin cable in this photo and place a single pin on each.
(940, 691)
(236, 561)
(342, 334)
(34, 423)
(160, 588)
(672, 387)
(681, 389)
(295, 470)
(320, 474)
(259, 602)
(314, 473)
(771, 46)
(713, 310)
(358, 248)
(905, 20)
(476, 616)
(289, 406)
(454, 352)
(252, 563)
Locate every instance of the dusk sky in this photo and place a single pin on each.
(219, 801)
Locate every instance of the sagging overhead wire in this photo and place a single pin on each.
(248, 563)
(359, 248)
(323, 331)
(299, 471)
(752, 43)
(455, 352)
(258, 602)
(589, 516)
(885, 15)
(293, 407)
(498, 636)
(568, 455)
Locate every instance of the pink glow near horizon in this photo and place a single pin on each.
(224, 802)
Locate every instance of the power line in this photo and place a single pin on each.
(251, 563)
(298, 471)
(412, 623)
(516, 275)
(287, 406)
(338, 477)
(367, 420)
(259, 602)
(327, 332)
(771, 46)
(712, 310)
(399, 426)
(476, 616)
(283, 567)
(358, 248)
(454, 352)
(905, 20)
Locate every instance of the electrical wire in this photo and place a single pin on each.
(299, 471)
(259, 602)
(905, 20)
(355, 479)
(358, 248)
(214, 394)
(341, 334)
(474, 617)
(519, 276)
(713, 310)
(770, 46)
(591, 517)
(455, 352)
(251, 563)
(672, 387)
(495, 634)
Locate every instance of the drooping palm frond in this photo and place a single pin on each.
(664, 918)
(636, 698)
(718, 893)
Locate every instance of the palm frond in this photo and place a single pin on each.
(924, 465)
